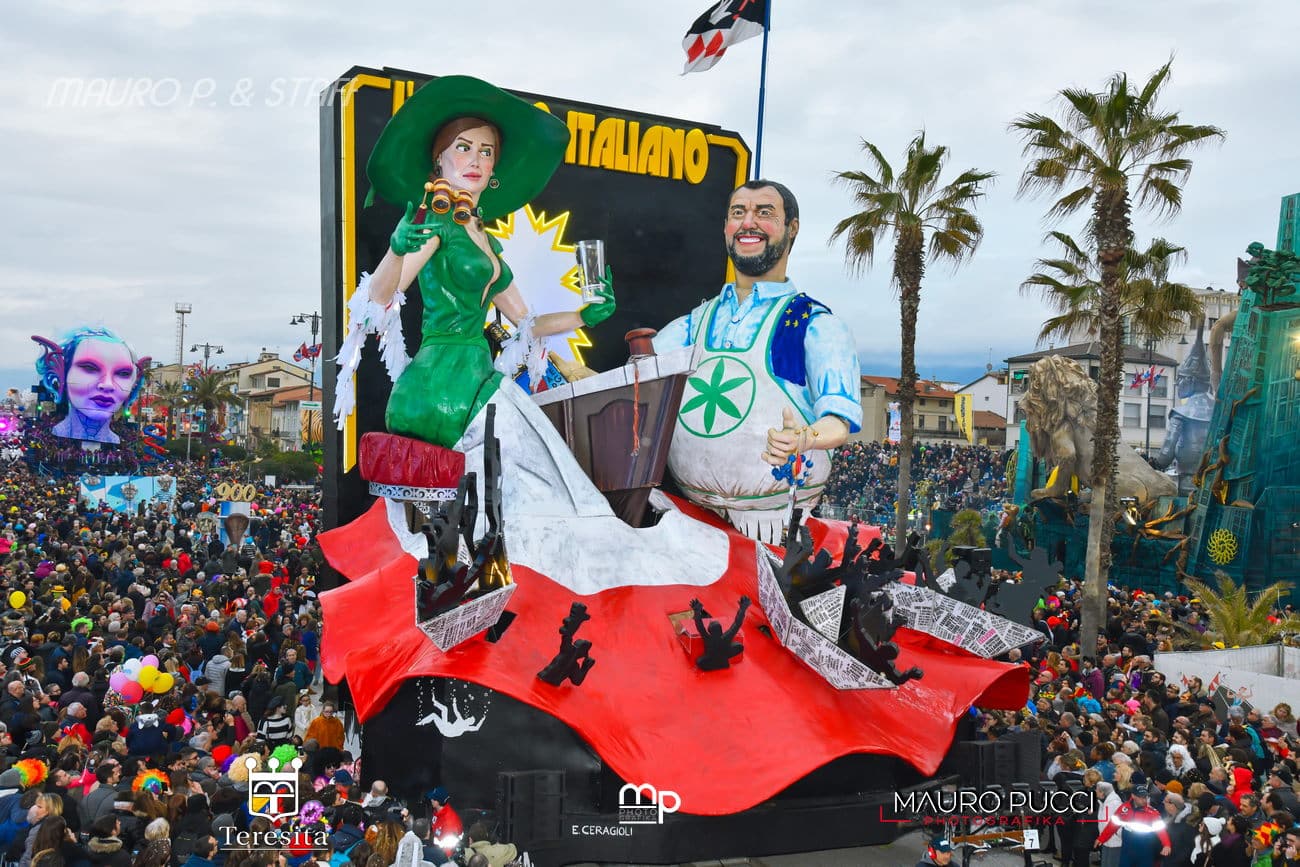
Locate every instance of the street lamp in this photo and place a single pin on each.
(312, 319)
(209, 349)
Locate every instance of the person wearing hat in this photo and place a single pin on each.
(1280, 783)
(1143, 831)
(1207, 837)
(445, 827)
(458, 154)
(937, 851)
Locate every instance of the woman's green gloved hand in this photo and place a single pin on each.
(409, 236)
(598, 311)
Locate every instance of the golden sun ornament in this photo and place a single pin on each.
(1222, 546)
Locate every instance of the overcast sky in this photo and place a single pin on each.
(112, 214)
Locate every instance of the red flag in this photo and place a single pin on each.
(727, 23)
(300, 353)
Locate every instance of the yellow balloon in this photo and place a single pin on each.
(17, 599)
(163, 682)
(148, 674)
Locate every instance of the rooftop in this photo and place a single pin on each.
(924, 387)
(1091, 351)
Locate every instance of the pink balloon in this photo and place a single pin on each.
(132, 692)
(149, 660)
(117, 681)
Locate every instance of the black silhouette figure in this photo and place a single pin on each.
(574, 659)
(1038, 574)
(925, 574)
(442, 582)
(874, 627)
(912, 553)
(719, 646)
(798, 548)
(973, 584)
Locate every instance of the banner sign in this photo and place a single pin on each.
(965, 416)
(123, 493)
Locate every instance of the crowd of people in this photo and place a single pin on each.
(94, 775)
(90, 777)
(1177, 778)
(864, 477)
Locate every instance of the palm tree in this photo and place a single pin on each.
(1107, 145)
(1237, 620)
(212, 391)
(967, 529)
(911, 206)
(1152, 304)
(173, 396)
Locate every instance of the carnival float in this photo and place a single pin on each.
(591, 604)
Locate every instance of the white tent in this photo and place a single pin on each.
(1262, 675)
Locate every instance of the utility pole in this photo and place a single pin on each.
(182, 309)
(1151, 384)
(208, 350)
(312, 319)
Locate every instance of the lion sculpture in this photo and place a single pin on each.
(1060, 408)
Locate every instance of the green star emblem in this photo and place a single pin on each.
(719, 397)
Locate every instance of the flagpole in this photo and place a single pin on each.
(762, 91)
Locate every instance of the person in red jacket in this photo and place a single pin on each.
(1240, 782)
(445, 828)
(1142, 826)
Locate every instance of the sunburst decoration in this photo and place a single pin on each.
(1222, 546)
(545, 270)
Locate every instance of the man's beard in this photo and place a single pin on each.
(757, 266)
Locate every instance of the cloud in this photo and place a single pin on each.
(211, 196)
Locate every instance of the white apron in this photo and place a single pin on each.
(727, 409)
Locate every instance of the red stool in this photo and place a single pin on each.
(410, 470)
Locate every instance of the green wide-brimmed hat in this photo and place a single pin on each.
(532, 143)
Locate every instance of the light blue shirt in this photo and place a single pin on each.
(830, 354)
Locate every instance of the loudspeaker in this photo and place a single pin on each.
(529, 804)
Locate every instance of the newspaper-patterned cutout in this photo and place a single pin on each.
(772, 599)
(452, 627)
(825, 611)
(839, 669)
(966, 626)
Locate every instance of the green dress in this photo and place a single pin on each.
(451, 377)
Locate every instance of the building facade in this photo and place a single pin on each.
(1143, 411)
(932, 413)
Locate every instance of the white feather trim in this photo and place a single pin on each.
(366, 317)
(523, 348)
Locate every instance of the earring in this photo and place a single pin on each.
(464, 207)
(441, 199)
(493, 182)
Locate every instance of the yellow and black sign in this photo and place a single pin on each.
(654, 189)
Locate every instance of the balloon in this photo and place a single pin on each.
(17, 599)
(132, 692)
(150, 660)
(162, 682)
(118, 680)
(148, 674)
(132, 668)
